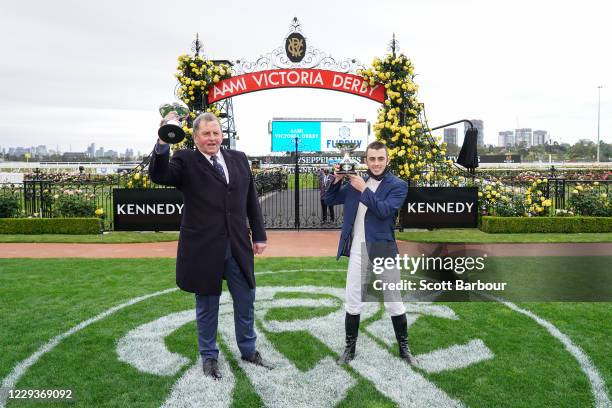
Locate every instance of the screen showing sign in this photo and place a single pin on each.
(440, 207)
(153, 209)
(284, 134)
(317, 136)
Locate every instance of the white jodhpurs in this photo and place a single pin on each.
(353, 303)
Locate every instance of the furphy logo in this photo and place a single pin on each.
(331, 144)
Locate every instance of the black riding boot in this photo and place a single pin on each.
(351, 327)
(400, 326)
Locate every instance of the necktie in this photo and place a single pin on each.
(218, 167)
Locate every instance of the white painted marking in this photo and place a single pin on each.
(389, 373)
(450, 358)
(145, 350)
(325, 385)
(9, 382)
(455, 357)
(397, 380)
(430, 309)
(194, 389)
(394, 378)
(598, 386)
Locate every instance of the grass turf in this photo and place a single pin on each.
(42, 298)
(467, 235)
(114, 237)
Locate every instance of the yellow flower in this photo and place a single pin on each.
(574, 191)
(479, 194)
(136, 176)
(99, 211)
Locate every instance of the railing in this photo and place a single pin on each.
(277, 192)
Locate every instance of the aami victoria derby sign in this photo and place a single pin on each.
(440, 207)
(153, 209)
(295, 78)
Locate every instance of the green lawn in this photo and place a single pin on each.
(43, 298)
(307, 180)
(113, 237)
(443, 235)
(475, 236)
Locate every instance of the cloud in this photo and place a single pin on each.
(74, 73)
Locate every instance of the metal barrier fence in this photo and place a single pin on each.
(287, 202)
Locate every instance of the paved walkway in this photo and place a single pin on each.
(300, 244)
(280, 243)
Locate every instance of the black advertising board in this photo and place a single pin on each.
(440, 207)
(147, 209)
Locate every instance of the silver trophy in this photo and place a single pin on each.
(346, 165)
(171, 131)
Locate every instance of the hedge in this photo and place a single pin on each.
(77, 226)
(545, 224)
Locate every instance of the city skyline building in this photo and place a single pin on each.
(450, 136)
(523, 137)
(540, 137)
(505, 138)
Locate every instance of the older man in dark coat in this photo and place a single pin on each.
(215, 241)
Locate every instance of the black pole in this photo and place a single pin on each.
(454, 123)
(297, 187)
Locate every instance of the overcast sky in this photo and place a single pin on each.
(76, 72)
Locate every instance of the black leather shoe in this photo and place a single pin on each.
(351, 328)
(400, 326)
(211, 369)
(257, 360)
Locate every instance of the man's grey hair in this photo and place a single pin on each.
(206, 117)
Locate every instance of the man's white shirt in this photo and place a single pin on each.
(359, 225)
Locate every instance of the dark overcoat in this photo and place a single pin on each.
(214, 214)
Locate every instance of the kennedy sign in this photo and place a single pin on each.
(156, 209)
(440, 207)
(295, 78)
